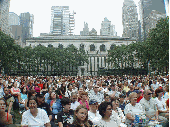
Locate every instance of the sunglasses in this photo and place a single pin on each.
(150, 93)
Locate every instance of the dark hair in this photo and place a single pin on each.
(65, 101)
(4, 100)
(32, 98)
(44, 85)
(55, 93)
(23, 89)
(69, 85)
(158, 91)
(102, 108)
(76, 121)
(30, 93)
(105, 95)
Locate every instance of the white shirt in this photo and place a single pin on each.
(161, 104)
(134, 110)
(102, 123)
(38, 121)
(68, 93)
(155, 86)
(94, 117)
(148, 106)
(74, 105)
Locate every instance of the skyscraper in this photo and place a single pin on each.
(85, 31)
(13, 19)
(145, 8)
(4, 16)
(130, 19)
(62, 21)
(26, 21)
(107, 29)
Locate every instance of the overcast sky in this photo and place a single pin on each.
(91, 11)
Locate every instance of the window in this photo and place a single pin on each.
(102, 47)
(92, 47)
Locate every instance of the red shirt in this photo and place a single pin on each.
(40, 85)
(138, 99)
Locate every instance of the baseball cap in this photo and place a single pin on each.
(92, 101)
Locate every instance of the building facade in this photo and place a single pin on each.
(26, 21)
(13, 19)
(145, 8)
(152, 20)
(4, 16)
(95, 46)
(107, 29)
(62, 21)
(130, 19)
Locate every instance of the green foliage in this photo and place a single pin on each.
(154, 50)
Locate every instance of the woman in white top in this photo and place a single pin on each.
(133, 108)
(35, 117)
(105, 110)
(117, 113)
(160, 103)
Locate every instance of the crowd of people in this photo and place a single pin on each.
(85, 101)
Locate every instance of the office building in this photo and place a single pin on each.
(130, 19)
(145, 8)
(13, 19)
(4, 16)
(26, 21)
(107, 29)
(85, 31)
(62, 21)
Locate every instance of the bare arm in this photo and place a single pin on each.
(50, 117)
(47, 125)
(129, 116)
(10, 106)
(26, 101)
(10, 121)
(60, 124)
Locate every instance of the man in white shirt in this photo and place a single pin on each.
(93, 114)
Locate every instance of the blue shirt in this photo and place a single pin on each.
(56, 107)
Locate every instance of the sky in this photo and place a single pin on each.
(91, 11)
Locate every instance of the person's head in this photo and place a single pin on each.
(70, 87)
(50, 89)
(126, 83)
(96, 88)
(83, 95)
(45, 85)
(24, 90)
(113, 86)
(147, 94)
(107, 97)
(3, 105)
(32, 103)
(93, 104)
(131, 87)
(53, 96)
(159, 92)
(81, 115)
(31, 93)
(74, 97)
(133, 98)
(81, 89)
(115, 103)
(105, 109)
(90, 86)
(6, 90)
(15, 84)
(104, 85)
(66, 103)
(40, 99)
(122, 98)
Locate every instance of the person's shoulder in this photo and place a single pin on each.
(41, 111)
(26, 113)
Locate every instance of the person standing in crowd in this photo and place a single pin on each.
(105, 110)
(75, 89)
(9, 100)
(74, 101)
(107, 97)
(81, 118)
(55, 104)
(5, 117)
(154, 85)
(122, 102)
(50, 89)
(69, 90)
(23, 98)
(45, 88)
(84, 100)
(93, 114)
(35, 116)
(96, 95)
(117, 113)
(65, 117)
(133, 108)
(131, 89)
(160, 103)
(149, 105)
